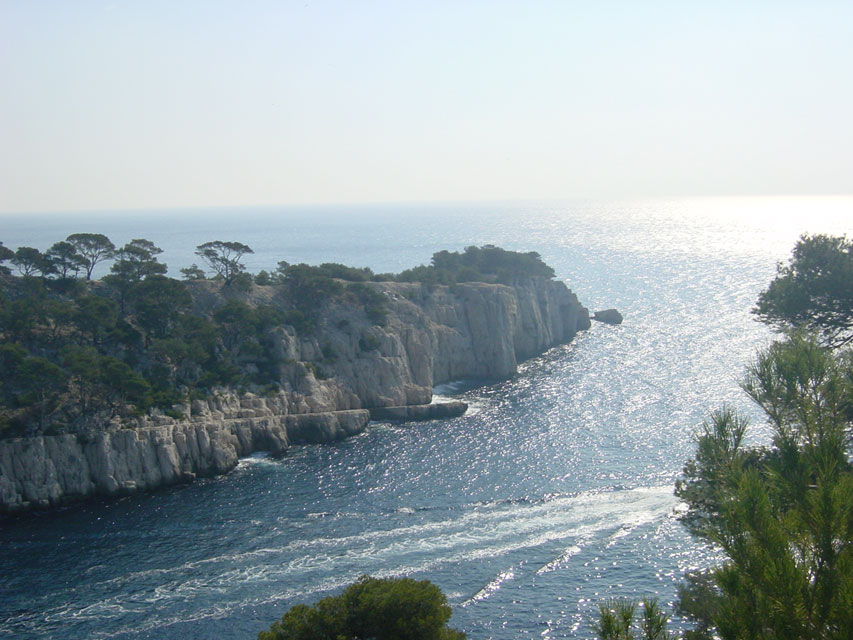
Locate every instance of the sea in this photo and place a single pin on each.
(553, 492)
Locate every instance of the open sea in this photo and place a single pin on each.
(553, 492)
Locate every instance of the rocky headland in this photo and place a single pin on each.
(330, 383)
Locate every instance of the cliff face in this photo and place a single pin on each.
(431, 335)
(47, 470)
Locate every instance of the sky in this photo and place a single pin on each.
(127, 105)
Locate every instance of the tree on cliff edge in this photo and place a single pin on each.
(137, 260)
(5, 254)
(92, 248)
(224, 258)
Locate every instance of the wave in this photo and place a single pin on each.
(477, 532)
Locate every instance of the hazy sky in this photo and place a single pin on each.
(182, 103)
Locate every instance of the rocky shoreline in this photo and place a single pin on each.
(432, 334)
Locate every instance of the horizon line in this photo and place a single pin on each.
(409, 203)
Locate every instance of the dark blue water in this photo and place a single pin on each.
(553, 492)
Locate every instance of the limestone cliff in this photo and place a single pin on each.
(47, 470)
(432, 335)
(328, 381)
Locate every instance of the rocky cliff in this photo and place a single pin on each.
(47, 470)
(431, 335)
(328, 382)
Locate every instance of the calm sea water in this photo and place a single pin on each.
(554, 491)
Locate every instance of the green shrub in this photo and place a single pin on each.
(329, 354)
(381, 609)
(375, 302)
(271, 389)
(240, 283)
(343, 272)
(368, 342)
(316, 370)
(299, 321)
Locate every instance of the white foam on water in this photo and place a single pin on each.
(560, 560)
(482, 524)
(491, 587)
(259, 458)
(477, 534)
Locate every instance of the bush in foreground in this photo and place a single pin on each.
(617, 621)
(381, 609)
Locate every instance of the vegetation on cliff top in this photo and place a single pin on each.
(76, 353)
(478, 264)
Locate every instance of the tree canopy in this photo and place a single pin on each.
(74, 355)
(478, 264)
(138, 259)
(5, 254)
(30, 261)
(813, 290)
(65, 259)
(92, 248)
(224, 258)
(782, 515)
(380, 609)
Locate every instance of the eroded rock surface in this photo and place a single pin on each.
(44, 471)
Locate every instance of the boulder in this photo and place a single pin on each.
(608, 316)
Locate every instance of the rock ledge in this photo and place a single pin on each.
(420, 411)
